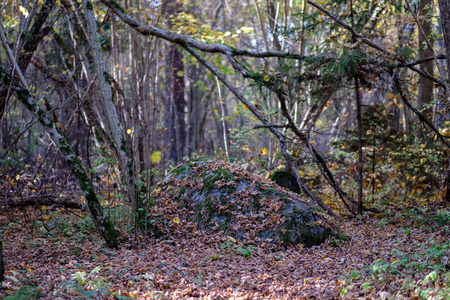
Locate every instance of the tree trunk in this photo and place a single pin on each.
(426, 86)
(175, 103)
(2, 265)
(444, 7)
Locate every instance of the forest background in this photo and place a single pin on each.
(103, 99)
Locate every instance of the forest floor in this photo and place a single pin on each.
(403, 255)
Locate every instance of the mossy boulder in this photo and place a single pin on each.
(224, 198)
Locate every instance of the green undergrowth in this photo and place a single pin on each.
(419, 273)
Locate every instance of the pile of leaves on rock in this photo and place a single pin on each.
(222, 198)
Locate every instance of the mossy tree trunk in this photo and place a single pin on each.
(102, 223)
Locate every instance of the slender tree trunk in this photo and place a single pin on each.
(444, 7)
(175, 102)
(2, 265)
(426, 86)
(360, 145)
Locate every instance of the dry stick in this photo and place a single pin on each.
(2, 265)
(373, 45)
(317, 157)
(359, 122)
(419, 61)
(416, 112)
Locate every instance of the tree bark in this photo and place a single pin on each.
(426, 86)
(444, 8)
(175, 102)
(2, 265)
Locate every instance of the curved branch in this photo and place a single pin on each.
(191, 42)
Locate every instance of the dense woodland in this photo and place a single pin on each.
(100, 101)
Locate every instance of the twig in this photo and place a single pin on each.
(421, 117)
(270, 125)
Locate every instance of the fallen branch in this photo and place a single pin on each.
(40, 201)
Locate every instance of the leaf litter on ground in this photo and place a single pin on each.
(213, 266)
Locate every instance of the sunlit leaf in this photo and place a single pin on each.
(156, 156)
(24, 11)
(264, 151)
(233, 240)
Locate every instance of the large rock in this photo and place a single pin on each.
(217, 196)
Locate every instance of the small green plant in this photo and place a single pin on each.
(239, 249)
(26, 292)
(199, 279)
(432, 260)
(365, 286)
(345, 290)
(87, 284)
(245, 251)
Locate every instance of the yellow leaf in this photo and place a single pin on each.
(156, 156)
(176, 220)
(24, 11)
(232, 239)
(264, 151)
(390, 95)
(128, 131)
(395, 261)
